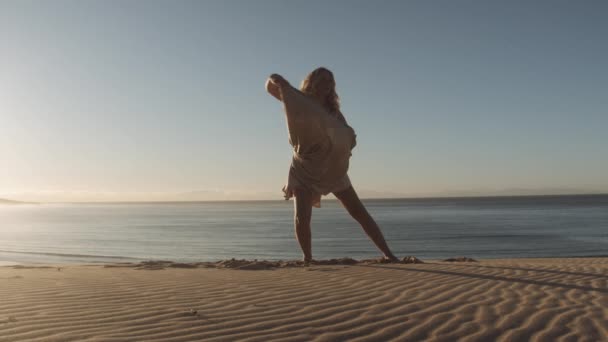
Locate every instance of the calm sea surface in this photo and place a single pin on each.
(489, 227)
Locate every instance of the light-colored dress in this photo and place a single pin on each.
(322, 147)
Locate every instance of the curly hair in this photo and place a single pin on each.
(332, 101)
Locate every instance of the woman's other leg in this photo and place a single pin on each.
(302, 216)
(350, 200)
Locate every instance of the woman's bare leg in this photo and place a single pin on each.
(356, 209)
(302, 216)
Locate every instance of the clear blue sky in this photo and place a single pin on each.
(107, 99)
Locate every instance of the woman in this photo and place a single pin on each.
(322, 145)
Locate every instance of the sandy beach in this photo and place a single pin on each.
(562, 299)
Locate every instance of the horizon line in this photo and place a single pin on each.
(325, 199)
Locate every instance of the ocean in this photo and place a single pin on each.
(431, 228)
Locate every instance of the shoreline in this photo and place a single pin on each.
(280, 263)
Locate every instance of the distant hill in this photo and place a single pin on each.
(10, 202)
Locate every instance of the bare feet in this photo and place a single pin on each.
(390, 258)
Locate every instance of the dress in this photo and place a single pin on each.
(322, 147)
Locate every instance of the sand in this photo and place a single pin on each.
(489, 300)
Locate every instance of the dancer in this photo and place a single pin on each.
(322, 142)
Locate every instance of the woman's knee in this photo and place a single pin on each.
(302, 217)
(303, 207)
(302, 221)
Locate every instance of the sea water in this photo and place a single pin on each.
(434, 228)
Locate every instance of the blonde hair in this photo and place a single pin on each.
(331, 102)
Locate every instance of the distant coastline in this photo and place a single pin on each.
(413, 198)
(220, 196)
(11, 202)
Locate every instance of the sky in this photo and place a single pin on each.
(165, 100)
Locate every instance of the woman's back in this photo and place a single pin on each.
(322, 143)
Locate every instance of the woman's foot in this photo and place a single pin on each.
(390, 259)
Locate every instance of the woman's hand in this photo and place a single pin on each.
(273, 86)
(279, 80)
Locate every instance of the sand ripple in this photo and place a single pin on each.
(498, 300)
